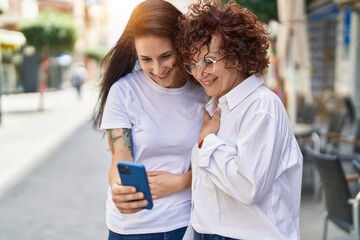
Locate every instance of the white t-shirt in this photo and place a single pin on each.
(247, 177)
(165, 124)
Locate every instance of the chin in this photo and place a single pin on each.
(210, 93)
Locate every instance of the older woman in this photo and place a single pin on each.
(247, 165)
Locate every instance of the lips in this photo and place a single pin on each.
(209, 82)
(163, 75)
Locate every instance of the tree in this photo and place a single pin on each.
(265, 11)
(51, 33)
(96, 53)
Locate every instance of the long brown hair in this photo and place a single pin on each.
(151, 17)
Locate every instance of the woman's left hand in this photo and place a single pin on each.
(163, 184)
(211, 124)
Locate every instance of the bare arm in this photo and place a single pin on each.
(120, 144)
(163, 184)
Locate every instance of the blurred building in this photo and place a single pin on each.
(90, 17)
(334, 36)
(99, 23)
(11, 12)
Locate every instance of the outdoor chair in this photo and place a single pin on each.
(330, 138)
(307, 113)
(356, 164)
(324, 141)
(350, 144)
(350, 108)
(306, 116)
(342, 208)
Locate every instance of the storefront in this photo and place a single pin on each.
(10, 42)
(322, 29)
(347, 72)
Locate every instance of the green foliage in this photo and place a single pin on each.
(51, 33)
(96, 53)
(265, 10)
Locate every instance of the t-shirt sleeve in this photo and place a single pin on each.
(115, 113)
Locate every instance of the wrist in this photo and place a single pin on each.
(186, 180)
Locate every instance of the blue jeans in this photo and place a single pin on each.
(213, 237)
(172, 235)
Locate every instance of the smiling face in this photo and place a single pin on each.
(224, 77)
(157, 58)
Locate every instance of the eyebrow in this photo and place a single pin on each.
(170, 51)
(210, 55)
(162, 54)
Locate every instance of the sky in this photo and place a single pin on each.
(120, 11)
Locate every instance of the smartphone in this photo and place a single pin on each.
(134, 174)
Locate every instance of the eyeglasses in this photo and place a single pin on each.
(206, 65)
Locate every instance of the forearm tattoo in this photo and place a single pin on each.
(117, 136)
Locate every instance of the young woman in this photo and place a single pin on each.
(247, 166)
(153, 117)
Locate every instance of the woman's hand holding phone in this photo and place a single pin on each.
(150, 186)
(126, 199)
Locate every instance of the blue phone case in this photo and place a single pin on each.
(134, 174)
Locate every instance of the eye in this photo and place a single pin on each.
(192, 64)
(145, 59)
(166, 56)
(209, 62)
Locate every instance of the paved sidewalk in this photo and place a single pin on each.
(63, 197)
(312, 216)
(27, 135)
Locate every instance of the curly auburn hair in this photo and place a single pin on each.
(243, 36)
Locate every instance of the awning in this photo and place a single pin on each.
(11, 39)
(324, 12)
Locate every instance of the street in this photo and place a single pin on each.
(53, 168)
(64, 196)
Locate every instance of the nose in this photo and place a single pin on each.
(199, 74)
(157, 68)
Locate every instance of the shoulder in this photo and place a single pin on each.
(195, 87)
(197, 91)
(129, 80)
(265, 100)
(263, 93)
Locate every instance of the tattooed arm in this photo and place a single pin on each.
(120, 144)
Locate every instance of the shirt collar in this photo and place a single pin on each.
(211, 106)
(242, 91)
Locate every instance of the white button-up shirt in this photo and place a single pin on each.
(247, 177)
